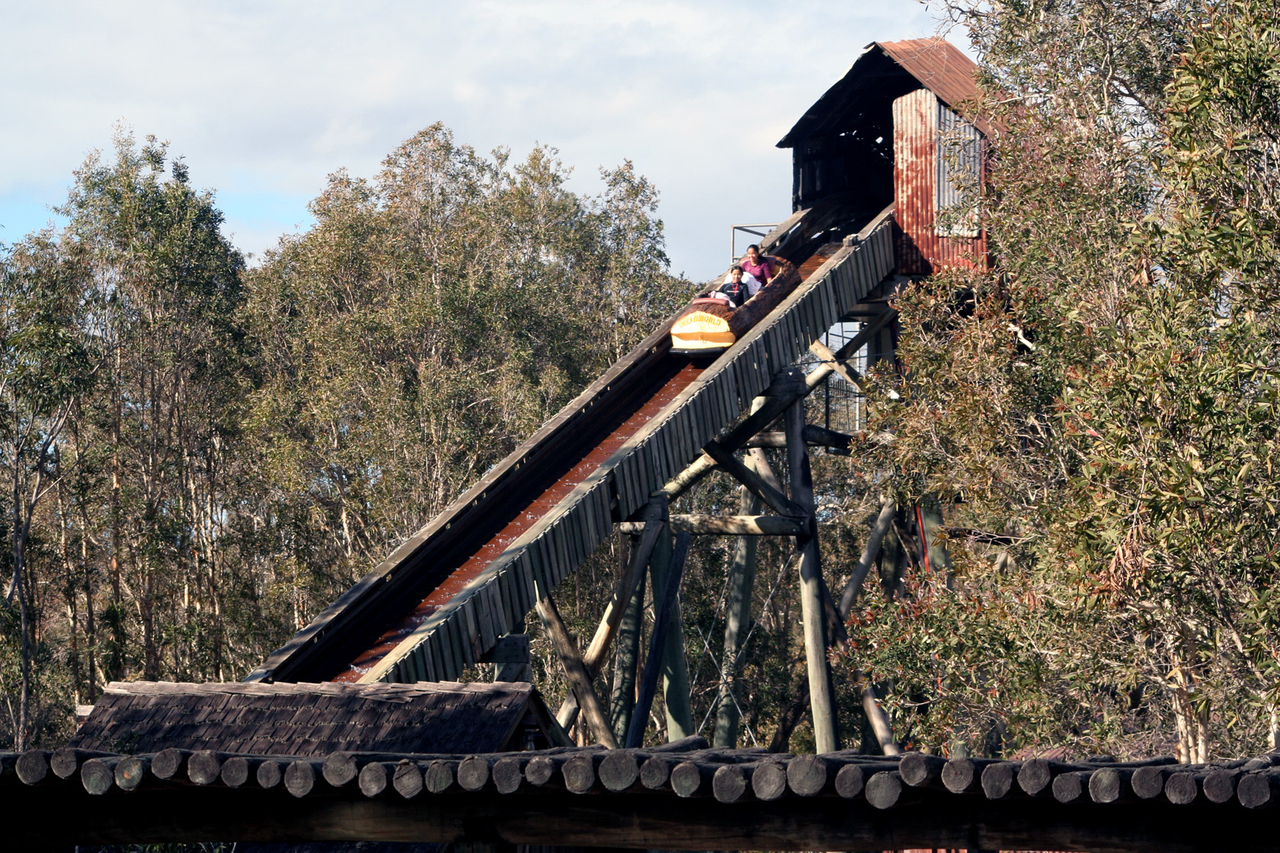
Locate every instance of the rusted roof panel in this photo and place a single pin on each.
(942, 69)
(886, 71)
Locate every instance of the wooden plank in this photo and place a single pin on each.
(522, 586)
(622, 474)
(559, 556)
(689, 443)
(506, 581)
(415, 668)
(584, 526)
(580, 524)
(539, 563)
(450, 659)
(471, 622)
(493, 625)
(431, 657)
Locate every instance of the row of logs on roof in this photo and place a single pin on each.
(730, 776)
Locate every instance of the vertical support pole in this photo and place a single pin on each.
(821, 693)
(627, 661)
(664, 611)
(742, 574)
(675, 670)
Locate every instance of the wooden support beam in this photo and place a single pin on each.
(786, 388)
(690, 476)
(627, 661)
(674, 667)
(576, 672)
(666, 616)
(869, 553)
(598, 650)
(730, 525)
(742, 573)
(825, 353)
(814, 436)
(821, 693)
(779, 502)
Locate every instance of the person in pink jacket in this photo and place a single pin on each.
(758, 265)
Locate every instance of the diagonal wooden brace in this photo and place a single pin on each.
(779, 502)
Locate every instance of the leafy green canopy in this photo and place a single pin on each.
(197, 458)
(432, 318)
(1106, 399)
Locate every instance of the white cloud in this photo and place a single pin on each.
(266, 99)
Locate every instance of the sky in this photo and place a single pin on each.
(263, 100)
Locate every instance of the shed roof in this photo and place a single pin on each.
(885, 71)
(309, 719)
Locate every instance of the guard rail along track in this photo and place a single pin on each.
(496, 599)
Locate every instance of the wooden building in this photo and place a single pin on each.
(899, 129)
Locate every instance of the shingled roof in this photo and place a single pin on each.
(317, 719)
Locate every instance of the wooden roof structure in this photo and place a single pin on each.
(885, 71)
(317, 719)
(681, 796)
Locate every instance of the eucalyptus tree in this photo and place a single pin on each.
(48, 362)
(1103, 403)
(157, 431)
(431, 319)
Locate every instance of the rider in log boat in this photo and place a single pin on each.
(715, 320)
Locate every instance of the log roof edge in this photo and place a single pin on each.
(682, 798)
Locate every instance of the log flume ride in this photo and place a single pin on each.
(442, 599)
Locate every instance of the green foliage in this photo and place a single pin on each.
(197, 460)
(430, 320)
(1106, 398)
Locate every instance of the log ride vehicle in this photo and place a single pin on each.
(709, 326)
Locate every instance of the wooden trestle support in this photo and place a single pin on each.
(651, 543)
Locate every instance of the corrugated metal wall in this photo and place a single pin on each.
(934, 151)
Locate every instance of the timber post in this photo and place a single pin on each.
(821, 698)
(742, 573)
(674, 668)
